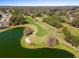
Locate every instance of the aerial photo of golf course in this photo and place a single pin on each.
(38, 31)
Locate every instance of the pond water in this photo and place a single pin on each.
(10, 47)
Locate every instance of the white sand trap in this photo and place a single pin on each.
(34, 32)
(27, 40)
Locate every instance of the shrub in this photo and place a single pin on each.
(28, 31)
(52, 41)
(72, 35)
(53, 21)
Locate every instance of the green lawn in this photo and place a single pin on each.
(41, 36)
(41, 31)
(29, 20)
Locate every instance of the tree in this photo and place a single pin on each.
(72, 34)
(17, 17)
(75, 23)
(53, 21)
(20, 19)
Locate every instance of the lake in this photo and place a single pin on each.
(10, 47)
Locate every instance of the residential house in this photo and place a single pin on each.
(4, 19)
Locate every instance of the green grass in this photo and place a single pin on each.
(60, 45)
(64, 47)
(29, 20)
(41, 31)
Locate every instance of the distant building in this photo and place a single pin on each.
(4, 19)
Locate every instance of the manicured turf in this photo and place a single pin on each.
(29, 20)
(41, 31)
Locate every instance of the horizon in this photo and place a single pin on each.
(39, 3)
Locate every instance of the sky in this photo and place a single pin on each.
(39, 2)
